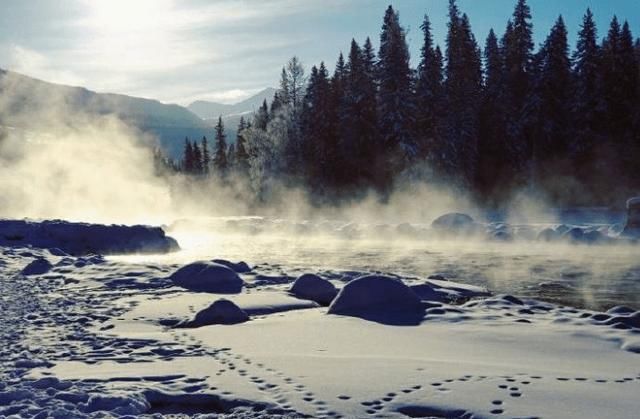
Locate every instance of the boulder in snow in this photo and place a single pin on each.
(632, 226)
(379, 298)
(204, 276)
(239, 267)
(37, 267)
(83, 238)
(220, 312)
(314, 288)
(455, 223)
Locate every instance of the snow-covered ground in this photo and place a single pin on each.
(117, 336)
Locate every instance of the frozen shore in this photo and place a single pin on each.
(97, 337)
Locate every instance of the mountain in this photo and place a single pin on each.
(31, 104)
(212, 110)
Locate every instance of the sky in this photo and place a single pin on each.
(178, 51)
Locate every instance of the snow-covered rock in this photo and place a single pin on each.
(38, 266)
(379, 298)
(220, 312)
(207, 276)
(454, 223)
(239, 267)
(632, 226)
(314, 288)
(83, 238)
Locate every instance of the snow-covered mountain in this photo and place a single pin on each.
(212, 110)
(30, 104)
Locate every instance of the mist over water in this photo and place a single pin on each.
(97, 168)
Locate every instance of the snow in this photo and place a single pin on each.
(378, 298)
(208, 277)
(94, 336)
(314, 288)
(83, 238)
(220, 312)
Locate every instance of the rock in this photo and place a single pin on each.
(204, 276)
(427, 293)
(220, 312)
(620, 310)
(548, 235)
(314, 288)
(574, 235)
(632, 226)
(375, 294)
(454, 223)
(37, 267)
(83, 238)
(240, 267)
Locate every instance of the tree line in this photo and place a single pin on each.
(489, 120)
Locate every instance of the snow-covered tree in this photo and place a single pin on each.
(220, 162)
(396, 111)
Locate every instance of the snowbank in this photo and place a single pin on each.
(220, 312)
(314, 288)
(207, 276)
(378, 298)
(83, 238)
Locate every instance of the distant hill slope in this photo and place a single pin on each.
(30, 103)
(212, 110)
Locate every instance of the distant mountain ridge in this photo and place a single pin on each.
(31, 104)
(212, 110)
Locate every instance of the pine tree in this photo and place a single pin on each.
(206, 158)
(462, 87)
(620, 85)
(357, 120)
(220, 158)
(242, 156)
(518, 59)
(231, 157)
(197, 159)
(429, 94)
(187, 160)
(261, 118)
(396, 110)
(553, 88)
(493, 151)
(588, 103)
(319, 131)
(292, 82)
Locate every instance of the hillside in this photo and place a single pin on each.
(29, 103)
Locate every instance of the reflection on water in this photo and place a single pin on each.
(596, 277)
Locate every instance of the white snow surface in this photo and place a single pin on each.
(98, 337)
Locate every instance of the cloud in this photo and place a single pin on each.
(36, 64)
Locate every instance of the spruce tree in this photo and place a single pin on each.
(462, 86)
(429, 94)
(220, 158)
(396, 111)
(553, 88)
(187, 161)
(242, 156)
(493, 152)
(206, 157)
(261, 118)
(197, 159)
(518, 60)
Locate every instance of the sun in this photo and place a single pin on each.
(124, 18)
